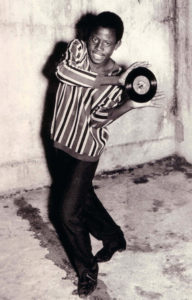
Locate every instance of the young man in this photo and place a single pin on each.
(89, 97)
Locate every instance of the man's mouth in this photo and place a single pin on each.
(98, 55)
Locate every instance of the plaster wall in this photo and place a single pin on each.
(184, 79)
(29, 33)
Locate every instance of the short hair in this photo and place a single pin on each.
(111, 20)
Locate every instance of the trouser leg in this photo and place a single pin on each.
(73, 179)
(99, 222)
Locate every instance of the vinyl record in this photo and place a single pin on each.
(141, 85)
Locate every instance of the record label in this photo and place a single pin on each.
(141, 85)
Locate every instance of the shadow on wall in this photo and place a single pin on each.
(49, 72)
(82, 27)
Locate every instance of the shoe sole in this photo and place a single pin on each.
(122, 249)
(106, 260)
(83, 296)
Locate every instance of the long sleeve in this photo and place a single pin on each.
(73, 69)
(100, 114)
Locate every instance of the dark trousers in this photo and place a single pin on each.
(76, 211)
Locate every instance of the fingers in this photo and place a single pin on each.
(139, 64)
(132, 67)
(160, 93)
(151, 103)
(158, 100)
(135, 104)
(157, 105)
(159, 96)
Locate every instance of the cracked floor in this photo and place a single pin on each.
(153, 205)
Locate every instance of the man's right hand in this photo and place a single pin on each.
(157, 101)
(123, 76)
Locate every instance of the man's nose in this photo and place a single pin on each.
(100, 45)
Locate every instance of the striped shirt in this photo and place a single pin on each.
(80, 119)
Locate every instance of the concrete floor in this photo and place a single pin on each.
(152, 203)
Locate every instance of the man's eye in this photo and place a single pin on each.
(95, 40)
(107, 44)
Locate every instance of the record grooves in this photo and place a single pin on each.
(141, 85)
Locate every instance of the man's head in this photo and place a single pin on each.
(110, 20)
(105, 37)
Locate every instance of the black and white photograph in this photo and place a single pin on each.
(96, 150)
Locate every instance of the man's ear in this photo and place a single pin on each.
(117, 44)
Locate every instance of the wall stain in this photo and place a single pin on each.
(47, 236)
(174, 267)
(49, 240)
(139, 246)
(144, 172)
(179, 237)
(174, 108)
(148, 295)
(139, 180)
(168, 242)
(168, 19)
(157, 204)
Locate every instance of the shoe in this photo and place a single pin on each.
(106, 253)
(87, 284)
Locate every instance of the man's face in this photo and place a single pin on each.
(101, 45)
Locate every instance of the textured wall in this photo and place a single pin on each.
(30, 31)
(33, 34)
(149, 36)
(184, 79)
